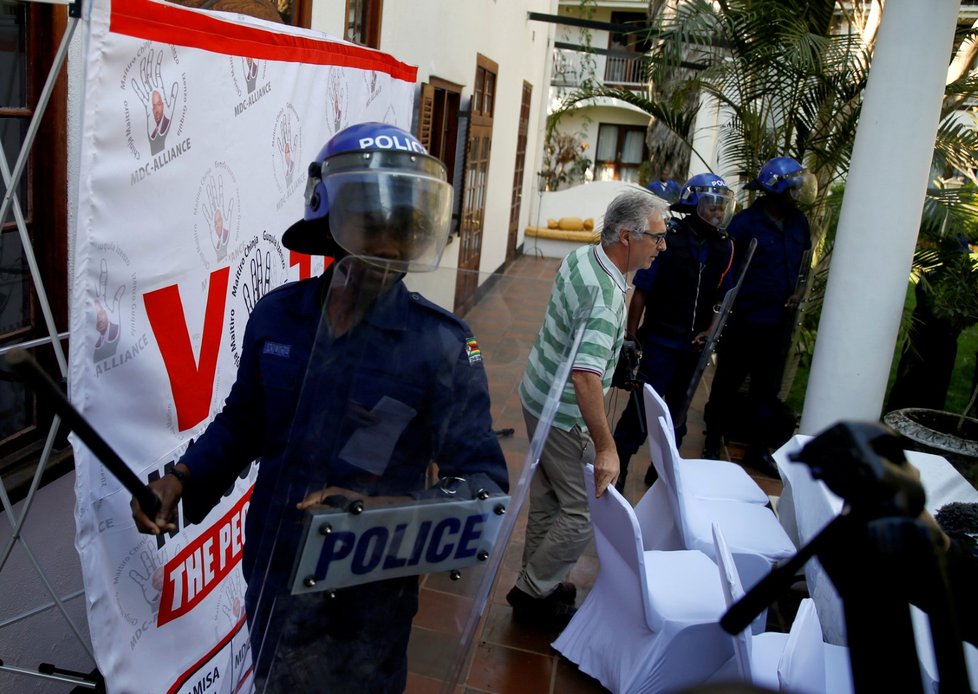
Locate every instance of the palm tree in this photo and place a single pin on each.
(790, 77)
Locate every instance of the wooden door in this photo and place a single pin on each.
(517, 197)
(477, 152)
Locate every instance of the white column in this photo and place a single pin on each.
(880, 214)
(706, 132)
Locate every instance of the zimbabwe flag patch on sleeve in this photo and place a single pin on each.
(472, 349)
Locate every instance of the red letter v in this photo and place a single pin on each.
(192, 383)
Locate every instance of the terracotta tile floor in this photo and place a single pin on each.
(506, 657)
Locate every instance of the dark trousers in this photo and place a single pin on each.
(746, 349)
(356, 641)
(669, 372)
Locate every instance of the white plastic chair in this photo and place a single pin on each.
(704, 478)
(809, 665)
(651, 621)
(797, 661)
(757, 655)
(756, 539)
(925, 653)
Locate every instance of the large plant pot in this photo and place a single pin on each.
(935, 431)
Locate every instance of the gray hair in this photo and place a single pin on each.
(630, 210)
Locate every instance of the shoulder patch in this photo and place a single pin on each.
(473, 351)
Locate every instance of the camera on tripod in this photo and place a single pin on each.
(880, 556)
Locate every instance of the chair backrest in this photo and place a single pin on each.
(733, 591)
(802, 665)
(655, 407)
(654, 402)
(618, 541)
(673, 482)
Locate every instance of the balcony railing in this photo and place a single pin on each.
(627, 72)
(612, 70)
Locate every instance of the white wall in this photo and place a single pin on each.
(588, 119)
(443, 38)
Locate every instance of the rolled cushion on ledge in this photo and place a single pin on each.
(571, 224)
(589, 224)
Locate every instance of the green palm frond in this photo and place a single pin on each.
(950, 213)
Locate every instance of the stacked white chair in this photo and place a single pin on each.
(808, 664)
(651, 621)
(925, 652)
(756, 655)
(702, 477)
(795, 662)
(756, 539)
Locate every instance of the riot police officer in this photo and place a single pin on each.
(756, 335)
(671, 308)
(348, 385)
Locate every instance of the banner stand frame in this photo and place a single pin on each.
(11, 180)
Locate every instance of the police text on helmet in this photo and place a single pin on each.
(388, 142)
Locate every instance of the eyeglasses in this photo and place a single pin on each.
(658, 238)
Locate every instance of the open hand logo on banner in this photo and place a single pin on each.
(288, 146)
(261, 267)
(147, 574)
(373, 84)
(217, 216)
(287, 155)
(220, 213)
(336, 99)
(159, 98)
(107, 315)
(250, 73)
(115, 289)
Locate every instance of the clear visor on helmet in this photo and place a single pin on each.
(399, 216)
(802, 187)
(715, 206)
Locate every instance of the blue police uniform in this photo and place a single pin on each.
(755, 337)
(668, 190)
(404, 387)
(773, 273)
(681, 288)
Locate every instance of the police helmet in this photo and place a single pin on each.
(373, 190)
(709, 197)
(785, 175)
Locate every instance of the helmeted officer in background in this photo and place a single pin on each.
(349, 386)
(665, 187)
(756, 335)
(671, 308)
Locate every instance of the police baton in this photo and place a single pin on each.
(22, 365)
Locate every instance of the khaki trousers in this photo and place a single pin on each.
(558, 528)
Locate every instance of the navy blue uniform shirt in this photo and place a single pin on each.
(404, 387)
(773, 273)
(682, 286)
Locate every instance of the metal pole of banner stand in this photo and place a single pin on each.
(11, 179)
(10, 202)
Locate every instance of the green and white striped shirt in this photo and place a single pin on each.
(588, 288)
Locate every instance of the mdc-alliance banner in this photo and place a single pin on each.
(196, 135)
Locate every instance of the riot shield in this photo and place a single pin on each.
(374, 540)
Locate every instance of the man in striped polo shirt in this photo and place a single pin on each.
(590, 287)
